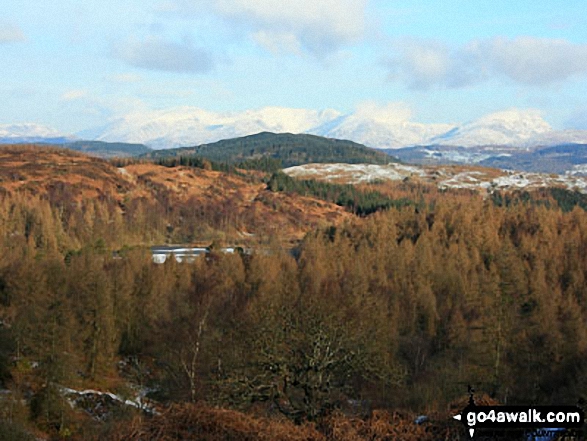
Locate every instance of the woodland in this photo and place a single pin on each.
(290, 149)
(349, 333)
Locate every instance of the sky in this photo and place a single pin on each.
(75, 65)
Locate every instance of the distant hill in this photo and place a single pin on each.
(194, 204)
(556, 159)
(108, 149)
(559, 159)
(290, 149)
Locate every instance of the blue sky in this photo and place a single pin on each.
(75, 65)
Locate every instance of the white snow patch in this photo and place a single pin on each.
(123, 171)
(355, 173)
(578, 169)
(138, 402)
(443, 177)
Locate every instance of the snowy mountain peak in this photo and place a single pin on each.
(30, 132)
(378, 126)
(27, 130)
(392, 114)
(192, 126)
(379, 133)
(517, 117)
(507, 128)
(371, 124)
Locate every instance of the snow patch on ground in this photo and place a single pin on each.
(123, 171)
(99, 404)
(355, 173)
(578, 169)
(443, 176)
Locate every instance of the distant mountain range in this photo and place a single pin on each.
(517, 139)
(192, 126)
(563, 158)
(189, 126)
(31, 133)
(39, 134)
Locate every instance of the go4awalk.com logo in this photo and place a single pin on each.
(530, 418)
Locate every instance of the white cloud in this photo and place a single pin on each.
(10, 33)
(525, 60)
(535, 60)
(154, 53)
(389, 113)
(319, 27)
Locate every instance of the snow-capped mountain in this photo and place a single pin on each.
(508, 128)
(378, 133)
(192, 126)
(29, 132)
(188, 126)
(388, 127)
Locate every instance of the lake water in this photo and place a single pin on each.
(182, 253)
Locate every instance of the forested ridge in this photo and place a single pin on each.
(367, 324)
(290, 149)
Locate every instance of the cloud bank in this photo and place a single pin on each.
(155, 53)
(523, 60)
(294, 26)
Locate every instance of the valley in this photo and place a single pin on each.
(293, 220)
(301, 300)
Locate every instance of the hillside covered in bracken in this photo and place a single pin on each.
(156, 204)
(353, 312)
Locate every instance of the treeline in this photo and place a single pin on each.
(264, 164)
(360, 202)
(402, 309)
(567, 200)
(562, 198)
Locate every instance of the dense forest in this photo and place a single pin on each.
(264, 163)
(288, 148)
(349, 335)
